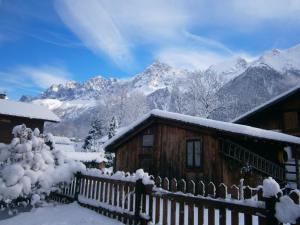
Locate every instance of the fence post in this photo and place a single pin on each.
(77, 185)
(270, 207)
(139, 189)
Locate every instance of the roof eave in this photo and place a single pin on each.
(111, 146)
(265, 106)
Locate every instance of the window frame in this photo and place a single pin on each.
(194, 153)
(148, 146)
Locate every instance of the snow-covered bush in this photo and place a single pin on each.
(286, 211)
(31, 168)
(270, 188)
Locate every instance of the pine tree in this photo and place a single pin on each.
(88, 140)
(96, 131)
(113, 125)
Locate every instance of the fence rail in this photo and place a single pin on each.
(171, 201)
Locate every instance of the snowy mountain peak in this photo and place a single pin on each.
(158, 66)
(96, 83)
(275, 51)
(241, 62)
(159, 75)
(54, 88)
(76, 103)
(58, 87)
(229, 69)
(281, 60)
(70, 84)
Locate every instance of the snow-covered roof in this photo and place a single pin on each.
(62, 140)
(64, 147)
(32, 111)
(85, 156)
(213, 124)
(267, 104)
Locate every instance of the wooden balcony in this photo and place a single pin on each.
(248, 158)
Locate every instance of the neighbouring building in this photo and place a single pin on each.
(281, 113)
(90, 159)
(174, 145)
(14, 113)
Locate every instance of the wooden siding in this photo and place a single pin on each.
(7, 123)
(283, 116)
(167, 157)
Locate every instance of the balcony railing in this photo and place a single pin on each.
(246, 157)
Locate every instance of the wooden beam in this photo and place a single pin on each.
(297, 166)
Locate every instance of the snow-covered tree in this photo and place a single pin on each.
(29, 168)
(203, 94)
(126, 107)
(135, 107)
(112, 127)
(178, 99)
(96, 132)
(87, 145)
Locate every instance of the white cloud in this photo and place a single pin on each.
(190, 59)
(118, 28)
(34, 78)
(267, 9)
(197, 59)
(95, 27)
(44, 76)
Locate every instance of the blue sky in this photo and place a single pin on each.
(46, 42)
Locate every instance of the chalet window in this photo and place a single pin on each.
(148, 140)
(194, 153)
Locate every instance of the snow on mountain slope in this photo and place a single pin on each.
(157, 76)
(243, 83)
(228, 70)
(273, 73)
(281, 60)
(70, 109)
(51, 104)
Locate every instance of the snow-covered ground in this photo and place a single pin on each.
(70, 214)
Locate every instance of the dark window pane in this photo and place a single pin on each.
(148, 140)
(190, 155)
(197, 153)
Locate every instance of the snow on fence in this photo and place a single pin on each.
(171, 201)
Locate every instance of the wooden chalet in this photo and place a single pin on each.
(174, 145)
(281, 113)
(14, 113)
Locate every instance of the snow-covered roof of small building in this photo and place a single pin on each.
(27, 110)
(85, 156)
(62, 140)
(267, 104)
(212, 124)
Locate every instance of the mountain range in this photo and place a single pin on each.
(223, 91)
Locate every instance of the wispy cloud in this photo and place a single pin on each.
(189, 58)
(33, 79)
(117, 28)
(96, 28)
(44, 76)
